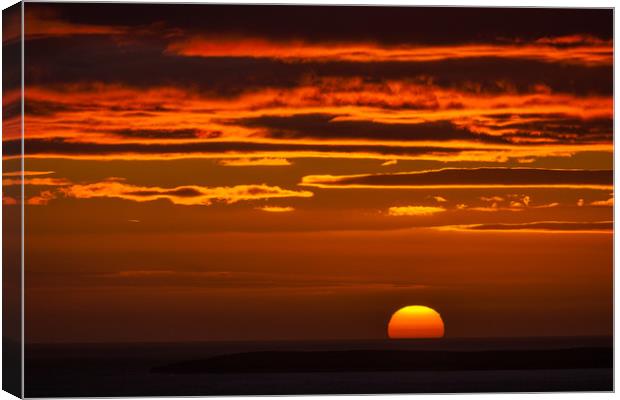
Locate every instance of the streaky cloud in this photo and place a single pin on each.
(409, 211)
(254, 162)
(554, 226)
(182, 195)
(466, 178)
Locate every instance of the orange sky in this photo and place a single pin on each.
(203, 175)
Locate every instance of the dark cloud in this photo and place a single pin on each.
(69, 60)
(157, 133)
(43, 108)
(324, 126)
(12, 110)
(59, 146)
(66, 60)
(474, 176)
(561, 124)
(393, 25)
(558, 127)
(11, 64)
(178, 192)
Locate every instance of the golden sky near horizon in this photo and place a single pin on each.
(226, 172)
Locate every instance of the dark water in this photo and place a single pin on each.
(80, 370)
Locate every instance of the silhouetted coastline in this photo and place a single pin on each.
(392, 360)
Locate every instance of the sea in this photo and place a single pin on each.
(126, 369)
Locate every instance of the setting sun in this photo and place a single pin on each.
(415, 322)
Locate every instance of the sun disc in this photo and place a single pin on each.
(415, 322)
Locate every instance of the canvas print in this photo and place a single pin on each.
(207, 199)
